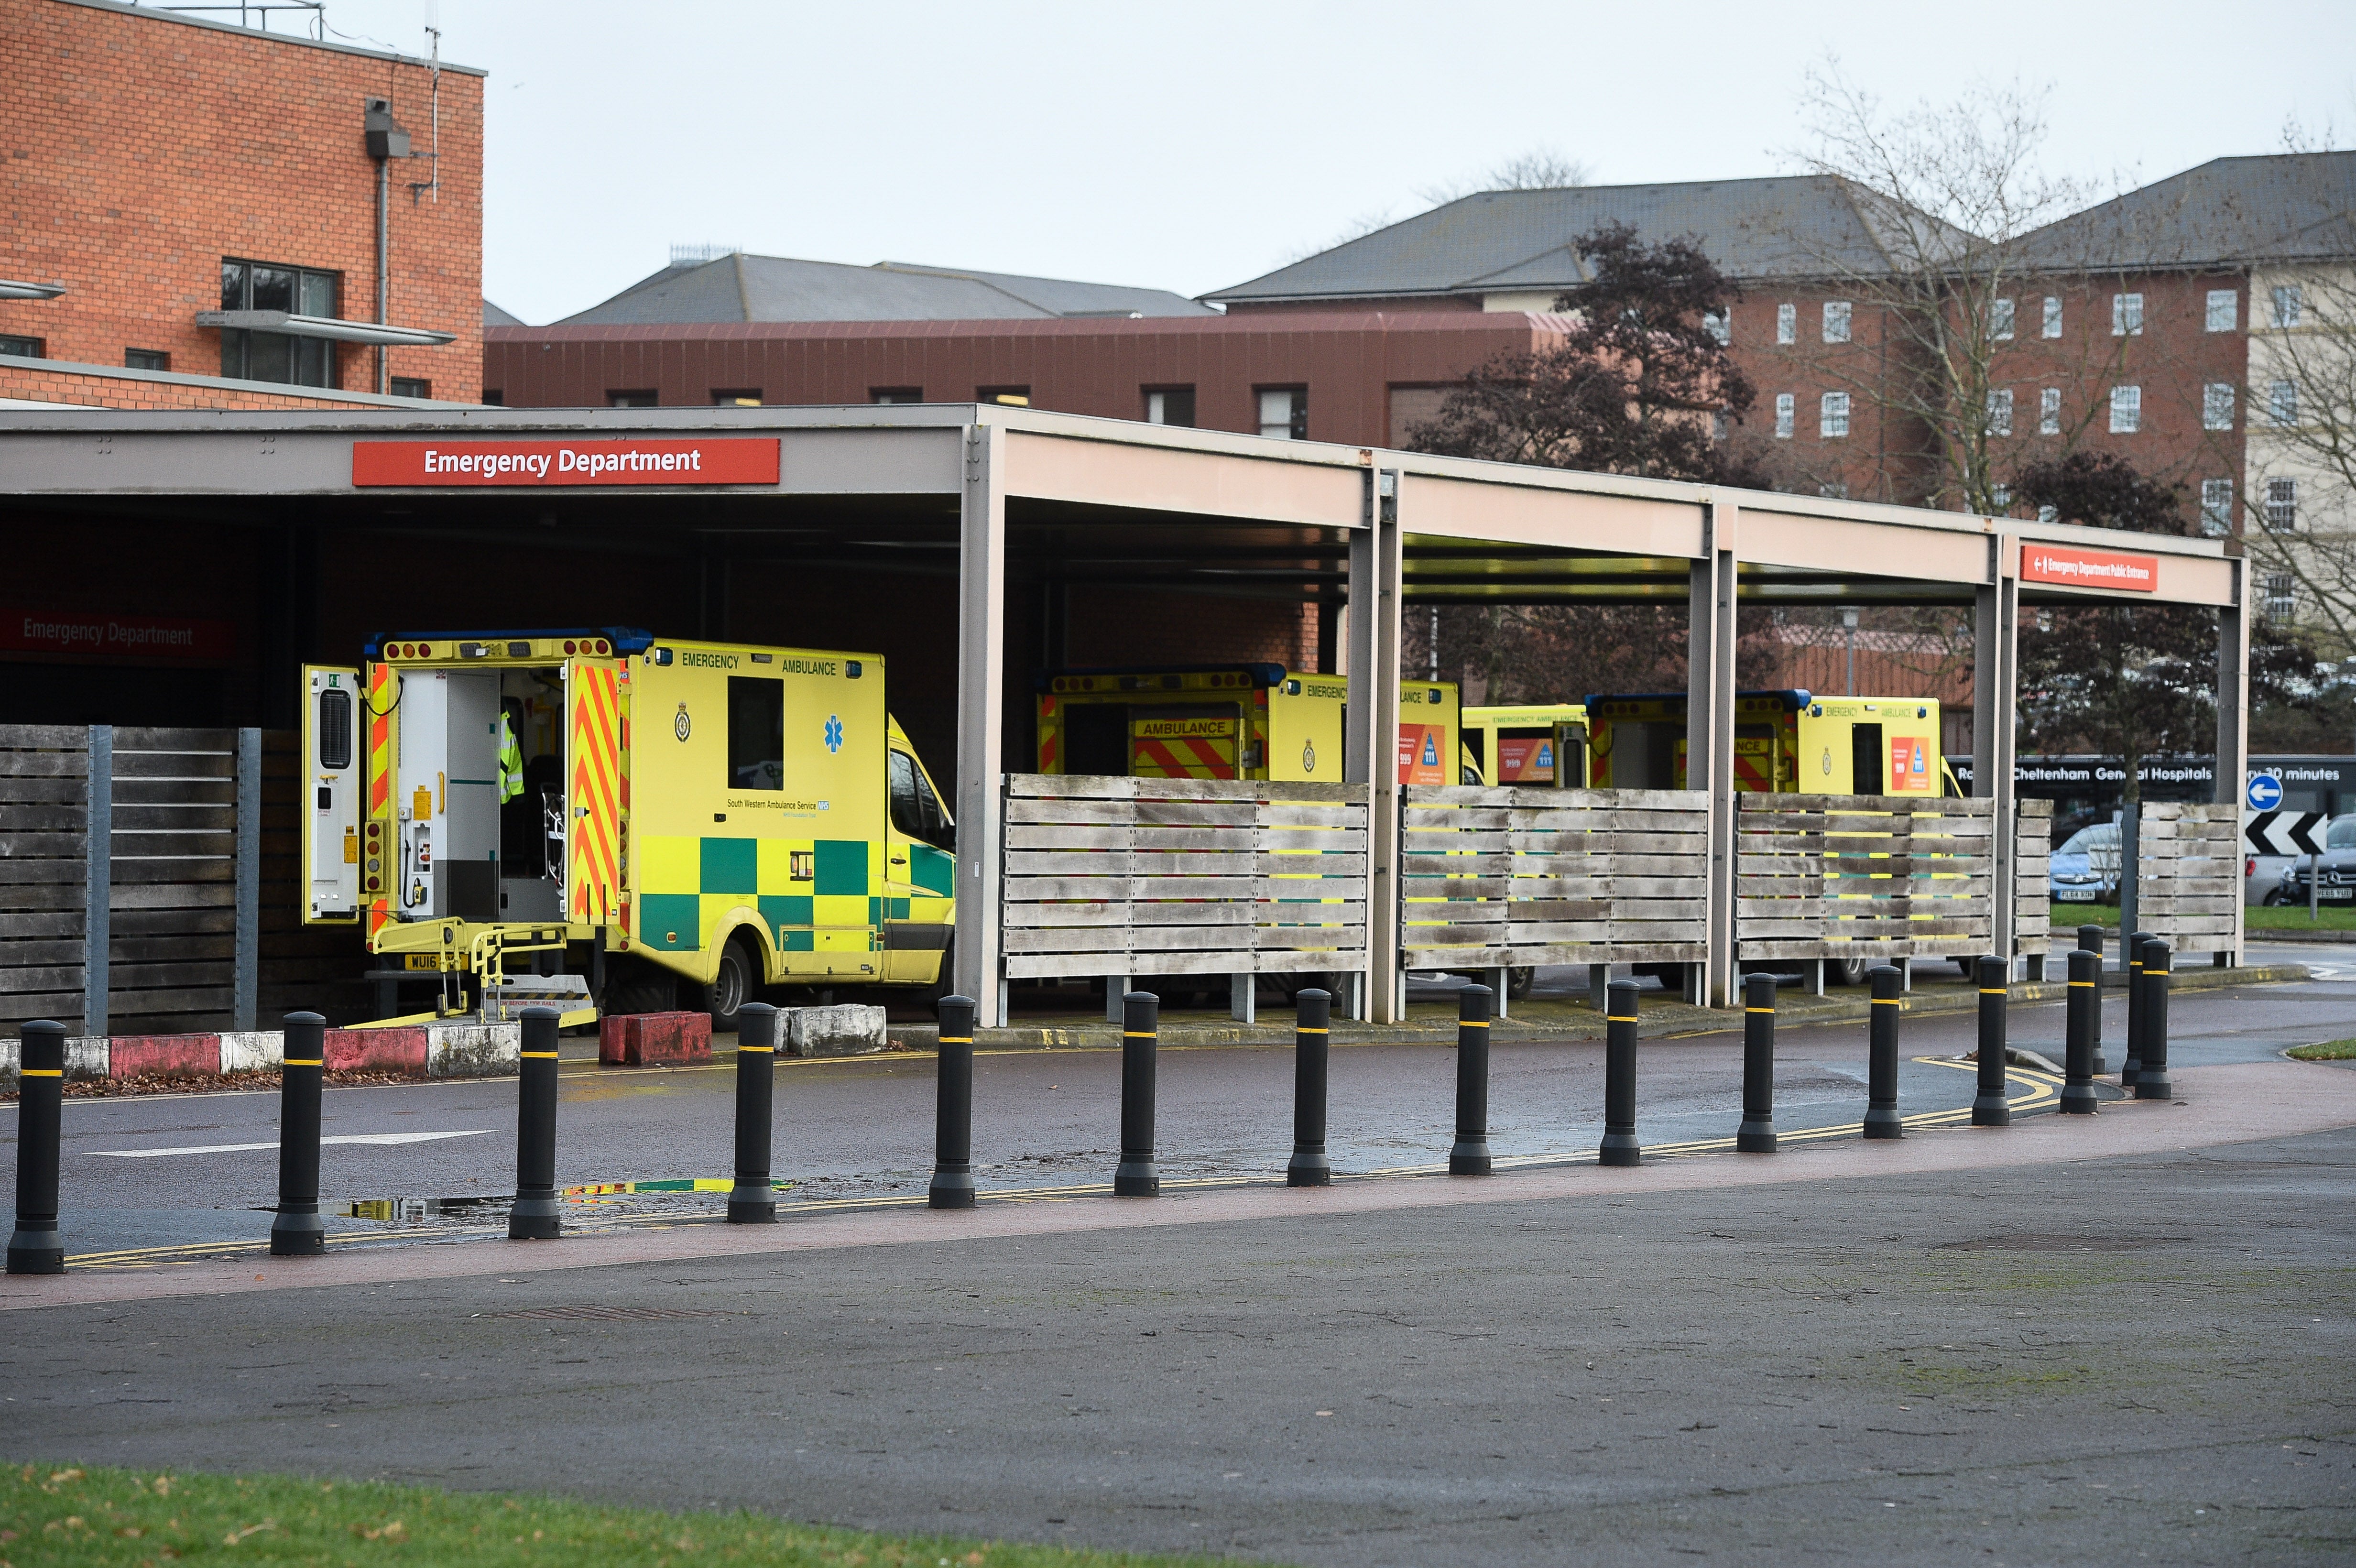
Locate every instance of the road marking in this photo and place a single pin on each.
(377, 1139)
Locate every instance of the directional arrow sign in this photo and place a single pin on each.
(2285, 832)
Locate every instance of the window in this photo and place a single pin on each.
(2000, 320)
(2127, 316)
(1999, 411)
(2282, 598)
(249, 356)
(146, 359)
(756, 732)
(335, 729)
(1832, 415)
(2053, 316)
(2001, 496)
(1005, 396)
(1836, 321)
(1172, 406)
(2049, 514)
(1284, 413)
(639, 399)
(1720, 425)
(2282, 402)
(2282, 506)
(494, 397)
(2288, 301)
(1785, 405)
(2048, 412)
(915, 810)
(2217, 406)
(2126, 409)
(2224, 311)
(2216, 507)
(1787, 324)
(410, 386)
(736, 399)
(895, 394)
(1719, 324)
(22, 347)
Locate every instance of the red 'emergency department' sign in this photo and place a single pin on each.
(2089, 568)
(732, 460)
(138, 639)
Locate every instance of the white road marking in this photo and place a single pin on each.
(237, 1149)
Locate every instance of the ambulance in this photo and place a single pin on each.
(1785, 742)
(1541, 744)
(528, 814)
(1232, 722)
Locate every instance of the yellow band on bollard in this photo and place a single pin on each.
(526, 1055)
(1887, 1002)
(1137, 1034)
(1471, 1023)
(2083, 985)
(770, 1049)
(1616, 1019)
(956, 1039)
(1994, 991)
(41, 1072)
(1757, 1009)
(301, 1062)
(1300, 1030)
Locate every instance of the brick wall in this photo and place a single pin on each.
(62, 384)
(142, 148)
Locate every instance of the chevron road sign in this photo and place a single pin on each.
(2285, 832)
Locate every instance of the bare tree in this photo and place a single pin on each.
(1540, 168)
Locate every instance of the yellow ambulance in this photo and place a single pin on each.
(1785, 742)
(1233, 721)
(1543, 743)
(724, 813)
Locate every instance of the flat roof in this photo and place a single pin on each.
(155, 14)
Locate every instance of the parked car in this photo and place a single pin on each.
(2085, 869)
(2339, 884)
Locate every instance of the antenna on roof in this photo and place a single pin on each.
(696, 255)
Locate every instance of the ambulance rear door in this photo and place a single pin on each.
(332, 727)
(596, 794)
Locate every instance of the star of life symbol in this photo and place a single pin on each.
(833, 732)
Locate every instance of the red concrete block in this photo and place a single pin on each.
(655, 1039)
(376, 1050)
(613, 1034)
(166, 1055)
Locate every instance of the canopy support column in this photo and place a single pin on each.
(981, 698)
(1371, 740)
(1709, 736)
(1995, 690)
(2233, 725)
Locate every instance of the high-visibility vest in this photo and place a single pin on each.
(510, 761)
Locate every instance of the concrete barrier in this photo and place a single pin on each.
(430, 1051)
(845, 1029)
(655, 1039)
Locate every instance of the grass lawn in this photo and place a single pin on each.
(2256, 917)
(53, 1513)
(2329, 1050)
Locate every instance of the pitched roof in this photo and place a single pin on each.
(742, 288)
(1796, 226)
(2288, 206)
(494, 316)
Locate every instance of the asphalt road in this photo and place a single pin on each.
(188, 1171)
(2151, 1361)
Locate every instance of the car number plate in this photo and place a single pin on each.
(2074, 895)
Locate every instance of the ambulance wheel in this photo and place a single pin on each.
(734, 984)
(1519, 982)
(639, 987)
(1846, 970)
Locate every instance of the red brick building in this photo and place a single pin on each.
(192, 214)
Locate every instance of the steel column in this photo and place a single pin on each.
(1370, 744)
(1996, 672)
(1709, 736)
(982, 699)
(246, 994)
(98, 884)
(2234, 719)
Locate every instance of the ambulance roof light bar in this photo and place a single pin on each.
(624, 639)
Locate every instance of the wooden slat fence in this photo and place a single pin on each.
(2188, 874)
(1110, 876)
(1822, 876)
(1493, 879)
(2032, 879)
(44, 875)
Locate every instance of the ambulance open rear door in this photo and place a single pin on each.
(332, 724)
(596, 793)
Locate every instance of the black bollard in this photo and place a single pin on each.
(35, 1247)
(2091, 939)
(1757, 1133)
(1620, 1145)
(2131, 953)
(297, 1231)
(2151, 1081)
(1309, 1166)
(1990, 1108)
(1469, 1157)
(535, 1217)
(952, 1185)
(1140, 1024)
(2085, 1017)
(753, 1200)
(1881, 1120)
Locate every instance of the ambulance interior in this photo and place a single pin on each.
(479, 794)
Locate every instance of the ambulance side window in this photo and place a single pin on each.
(756, 732)
(335, 730)
(915, 810)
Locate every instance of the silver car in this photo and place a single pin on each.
(2085, 869)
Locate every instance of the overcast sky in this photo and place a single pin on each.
(1191, 146)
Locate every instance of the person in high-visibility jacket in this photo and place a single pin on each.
(510, 760)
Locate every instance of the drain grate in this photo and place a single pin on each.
(609, 1314)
